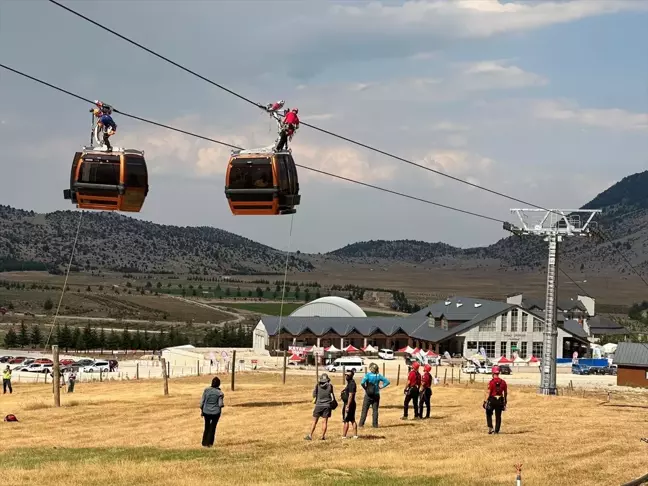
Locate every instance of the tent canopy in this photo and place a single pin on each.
(351, 349)
(295, 357)
(369, 349)
(431, 354)
(331, 349)
(503, 360)
(406, 349)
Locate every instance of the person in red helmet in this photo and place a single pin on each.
(496, 399)
(289, 126)
(412, 390)
(426, 391)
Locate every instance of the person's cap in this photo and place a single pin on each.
(324, 378)
(349, 372)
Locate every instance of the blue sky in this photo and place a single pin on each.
(546, 101)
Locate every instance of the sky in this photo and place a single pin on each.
(544, 101)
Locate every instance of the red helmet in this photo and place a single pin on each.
(295, 110)
(496, 370)
(416, 365)
(427, 368)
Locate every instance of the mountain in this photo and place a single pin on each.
(624, 224)
(111, 241)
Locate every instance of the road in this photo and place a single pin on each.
(238, 316)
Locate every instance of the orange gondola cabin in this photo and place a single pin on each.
(108, 181)
(262, 182)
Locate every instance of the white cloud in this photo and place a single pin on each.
(459, 163)
(477, 18)
(486, 75)
(318, 117)
(446, 126)
(610, 118)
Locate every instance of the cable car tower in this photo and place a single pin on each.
(554, 225)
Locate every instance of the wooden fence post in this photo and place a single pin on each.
(165, 376)
(460, 376)
(398, 376)
(168, 369)
(197, 367)
(137, 371)
(452, 375)
(384, 369)
(436, 371)
(233, 368)
(316, 368)
(445, 376)
(57, 376)
(285, 365)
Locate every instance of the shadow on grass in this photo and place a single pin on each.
(372, 477)
(405, 424)
(516, 432)
(371, 437)
(34, 457)
(270, 404)
(620, 405)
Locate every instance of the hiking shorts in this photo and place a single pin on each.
(350, 415)
(323, 411)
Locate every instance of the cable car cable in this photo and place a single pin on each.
(67, 275)
(191, 134)
(144, 120)
(322, 130)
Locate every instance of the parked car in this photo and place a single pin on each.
(43, 361)
(39, 368)
(17, 360)
(579, 369)
(66, 362)
(84, 362)
(505, 369)
(485, 370)
(97, 367)
(5, 359)
(386, 354)
(347, 363)
(470, 369)
(19, 368)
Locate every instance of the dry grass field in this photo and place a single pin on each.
(127, 433)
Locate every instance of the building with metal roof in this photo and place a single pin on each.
(330, 306)
(632, 362)
(458, 325)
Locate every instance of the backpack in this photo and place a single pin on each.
(344, 395)
(10, 418)
(371, 389)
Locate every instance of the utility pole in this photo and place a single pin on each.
(554, 225)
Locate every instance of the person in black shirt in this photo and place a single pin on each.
(349, 408)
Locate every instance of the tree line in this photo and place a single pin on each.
(88, 338)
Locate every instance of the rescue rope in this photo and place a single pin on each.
(283, 290)
(67, 275)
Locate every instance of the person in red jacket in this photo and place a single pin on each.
(290, 125)
(412, 391)
(496, 399)
(426, 391)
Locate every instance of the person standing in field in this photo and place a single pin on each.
(426, 391)
(6, 380)
(71, 381)
(323, 398)
(371, 384)
(211, 406)
(496, 399)
(412, 391)
(349, 408)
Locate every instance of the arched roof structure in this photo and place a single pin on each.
(330, 306)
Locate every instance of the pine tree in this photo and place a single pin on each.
(137, 340)
(23, 337)
(146, 340)
(101, 340)
(75, 339)
(66, 338)
(48, 304)
(11, 338)
(126, 341)
(36, 337)
(113, 342)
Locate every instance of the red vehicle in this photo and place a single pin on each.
(43, 361)
(66, 361)
(17, 360)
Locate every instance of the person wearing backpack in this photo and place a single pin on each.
(349, 409)
(496, 399)
(325, 403)
(371, 384)
(426, 391)
(412, 391)
(211, 406)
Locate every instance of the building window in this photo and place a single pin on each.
(489, 347)
(523, 350)
(504, 324)
(502, 348)
(525, 322)
(489, 325)
(472, 345)
(514, 320)
(444, 323)
(537, 350)
(537, 325)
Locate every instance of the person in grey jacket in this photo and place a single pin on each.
(211, 406)
(323, 399)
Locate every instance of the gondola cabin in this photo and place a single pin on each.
(262, 182)
(108, 181)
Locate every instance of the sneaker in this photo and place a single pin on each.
(404, 417)
(490, 431)
(355, 436)
(344, 437)
(323, 438)
(308, 437)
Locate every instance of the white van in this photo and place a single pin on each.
(386, 354)
(348, 363)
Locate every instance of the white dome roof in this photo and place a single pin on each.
(331, 306)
